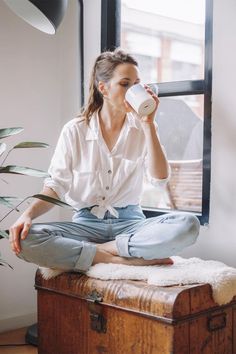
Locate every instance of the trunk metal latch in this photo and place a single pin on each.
(98, 322)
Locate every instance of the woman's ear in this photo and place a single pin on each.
(102, 88)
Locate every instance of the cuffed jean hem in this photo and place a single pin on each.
(86, 257)
(122, 244)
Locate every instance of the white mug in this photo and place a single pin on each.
(140, 100)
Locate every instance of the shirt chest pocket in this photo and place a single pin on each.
(129, 168)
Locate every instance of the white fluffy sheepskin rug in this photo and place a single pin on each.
(221, 277)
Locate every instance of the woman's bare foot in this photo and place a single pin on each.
(142, 262)
(109, 246)
(108, 253)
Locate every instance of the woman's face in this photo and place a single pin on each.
(124, 76)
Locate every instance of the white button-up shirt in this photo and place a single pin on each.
(85, 173)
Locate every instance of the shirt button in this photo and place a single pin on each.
(107, 188)
(103, 198)
(109, 171)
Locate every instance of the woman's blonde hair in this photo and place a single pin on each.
(103, 69)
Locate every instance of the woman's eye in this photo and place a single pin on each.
(124, 84)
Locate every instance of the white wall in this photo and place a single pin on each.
(39, 90)
(33, 96)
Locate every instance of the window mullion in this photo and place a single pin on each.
(111, 23)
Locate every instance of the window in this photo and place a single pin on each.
(172, 42)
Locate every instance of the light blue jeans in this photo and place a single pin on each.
(71, 245)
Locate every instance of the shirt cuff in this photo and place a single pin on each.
(157, 182)
(59, 190)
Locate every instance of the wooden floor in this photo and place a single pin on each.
(16, 336)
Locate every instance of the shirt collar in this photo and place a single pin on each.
(93, 127)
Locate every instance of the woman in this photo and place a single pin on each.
(98, 168)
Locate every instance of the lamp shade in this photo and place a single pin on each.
(45, 15)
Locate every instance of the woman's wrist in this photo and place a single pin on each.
(32, 211)
(28, 213)
(148, 126)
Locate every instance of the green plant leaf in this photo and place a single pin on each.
(4, 263)
(4, 234)
(52, 200)
(30, 144)
(20, 170)
(9, 201)
(4, 133)
(3, 147)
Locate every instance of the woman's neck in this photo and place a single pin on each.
(111, 119)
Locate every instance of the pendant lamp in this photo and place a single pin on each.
(45, 15)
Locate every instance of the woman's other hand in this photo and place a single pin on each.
(19, 231)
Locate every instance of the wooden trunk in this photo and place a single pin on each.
(81, 315)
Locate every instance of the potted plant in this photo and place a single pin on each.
(13, 202)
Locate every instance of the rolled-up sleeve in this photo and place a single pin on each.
(157, 182)
(60, 169)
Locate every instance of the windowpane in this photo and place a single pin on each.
(180, 127)
(166, 37)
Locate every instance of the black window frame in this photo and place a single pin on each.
(110, 39)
